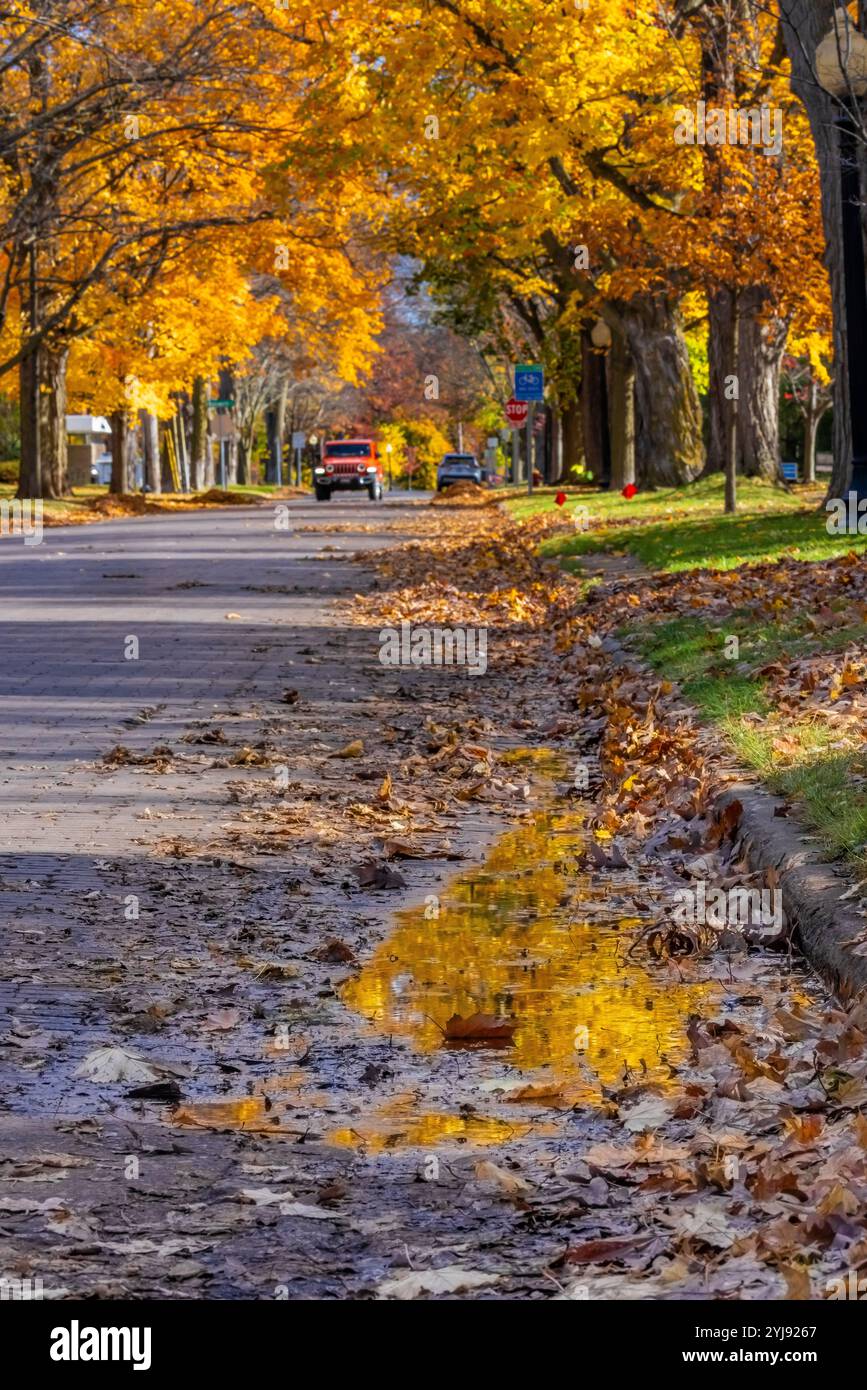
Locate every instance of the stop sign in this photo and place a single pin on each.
(516, 412)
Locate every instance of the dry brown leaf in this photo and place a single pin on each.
(479, 1028)
(355, 749)
(508, 1183)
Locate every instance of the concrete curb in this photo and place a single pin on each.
(827, 929)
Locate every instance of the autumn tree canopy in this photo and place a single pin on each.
(182, 182)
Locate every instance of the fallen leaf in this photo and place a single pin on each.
(506, 1182)
(479, 1028)
(263, 1196)
(352, 750)
(605, 1250)
(450, 1279)
(115, 1064)
(371, 875)
(335, 952)
(314, 1213)
(221, 1020)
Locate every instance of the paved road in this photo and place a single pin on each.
(81, 838)
(69, 609)
(69, 605)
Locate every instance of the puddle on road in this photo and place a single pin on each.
(503, 944)
(271, 1109)
(505, 939)
(398, 1125)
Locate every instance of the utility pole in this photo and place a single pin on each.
(35, 487)
(731, 500)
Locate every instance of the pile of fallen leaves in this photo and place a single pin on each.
(489, 578)
(113, 506)
(466, 494)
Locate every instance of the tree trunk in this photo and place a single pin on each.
(622, 413)
(272, 457)
(281, 431)
(668, 436)
(199, 445)
(805, 24)
(232, 462)
(592, 402)
(719, 352)
(811, 430)
(761, 345)
(210, 467)
(43, 471)
(181, 451)
(119, 453)
(573, 438)
(243, 467)
(151, 444)
(167, 441)
(556, 446)
(53, 422)
(814, 413)
(30, 472)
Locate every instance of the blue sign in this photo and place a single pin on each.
(529, 384)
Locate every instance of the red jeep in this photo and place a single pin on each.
(349, 463)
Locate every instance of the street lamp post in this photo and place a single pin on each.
(841, 67)
(856, 297)
(388, 448)
(601, 337)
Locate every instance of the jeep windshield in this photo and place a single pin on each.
(346, 451)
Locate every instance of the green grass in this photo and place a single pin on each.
(828, 782)
(800, 759)
(685, 528)
(703, 496)
(681, 529)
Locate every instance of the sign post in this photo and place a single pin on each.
(530, 387)
(516, 413)
(299, 439)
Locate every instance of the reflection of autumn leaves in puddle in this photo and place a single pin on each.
(248, 1113)
(397, 1125)
(503, 944)
(262, 1113)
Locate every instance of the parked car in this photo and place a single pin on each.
(459, 468)
(350, 464)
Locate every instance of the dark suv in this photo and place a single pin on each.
(459, 468)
